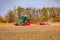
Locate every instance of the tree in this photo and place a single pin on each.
(56, 19)
(1, 19)
(44, 13)
(20, 10)
(10, 17)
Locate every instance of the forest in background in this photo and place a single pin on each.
(45, 14)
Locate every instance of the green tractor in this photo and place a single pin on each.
(23, 21)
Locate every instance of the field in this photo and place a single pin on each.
(9, 31)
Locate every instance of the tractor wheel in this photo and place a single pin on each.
(21, 24)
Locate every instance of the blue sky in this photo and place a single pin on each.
(6, 5)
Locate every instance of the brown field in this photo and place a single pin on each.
(32, 32)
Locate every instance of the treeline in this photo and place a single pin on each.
(36, 15)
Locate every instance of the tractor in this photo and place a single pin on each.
(23, 21)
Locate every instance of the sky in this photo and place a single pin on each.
(6, 5)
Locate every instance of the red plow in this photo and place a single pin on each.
(40, 23)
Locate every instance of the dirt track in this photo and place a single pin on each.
(33, 32)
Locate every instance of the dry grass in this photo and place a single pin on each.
(33, 32)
